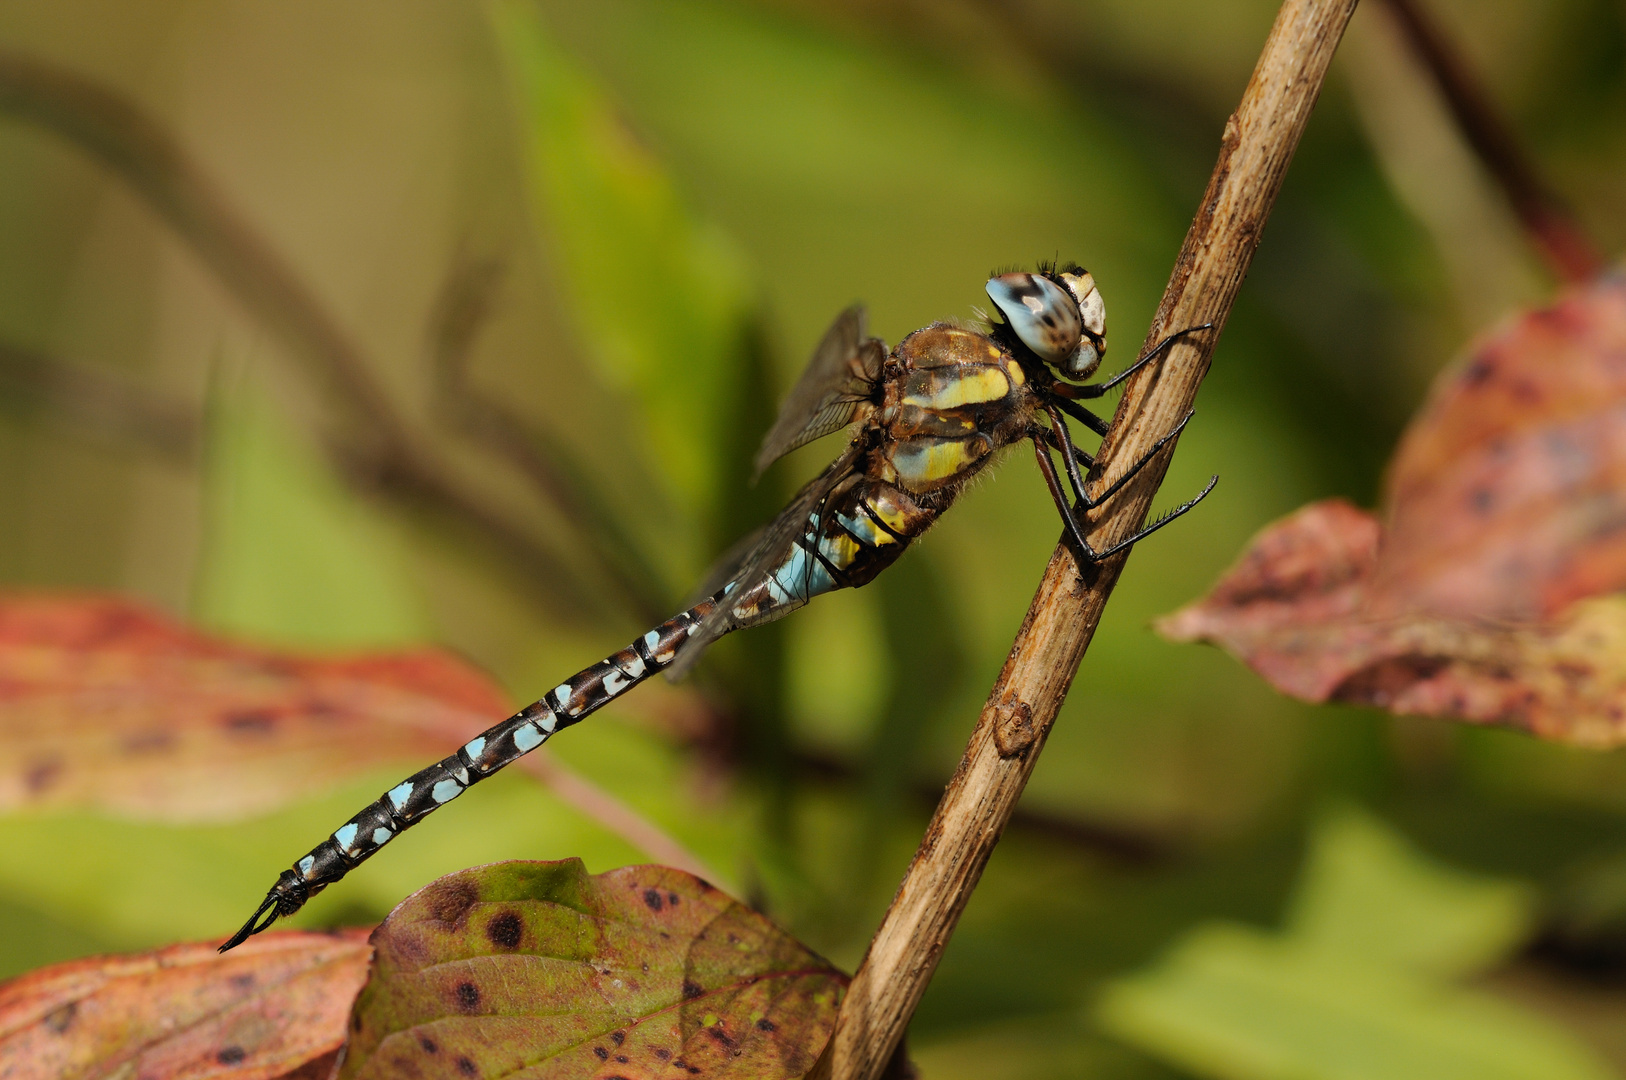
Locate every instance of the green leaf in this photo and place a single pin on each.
(1356, 988)
(1233, 1003)
(642, 970)
(660, 299)
(289, 555)
(1368, 895)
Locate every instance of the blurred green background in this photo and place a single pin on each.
(614, 231)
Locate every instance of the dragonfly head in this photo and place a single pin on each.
(1058, 314)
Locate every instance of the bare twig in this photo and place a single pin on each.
(1551, 227)
(1258, 143)
(99, 404)
(377, 444)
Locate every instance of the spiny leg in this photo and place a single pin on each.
(1081, 414)
(1074, 529)
(1162, 520)
(1095, 390)
(1047, 468)
(1063, 441)
(1084, 460)
(1059, 432)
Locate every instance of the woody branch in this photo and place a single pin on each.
(1257, 146)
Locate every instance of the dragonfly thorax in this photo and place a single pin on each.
(952, 398)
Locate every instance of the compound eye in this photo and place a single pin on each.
(1043, 316)
(1091, 307)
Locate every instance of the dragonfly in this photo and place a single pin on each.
(926, 417)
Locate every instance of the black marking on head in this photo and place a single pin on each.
(506, 931)
(467, 1067)
(620, 1059)
(691, 990)
(428, 1044)
(231, 1055)
(652, 899)
(468, 997)
(673, 898)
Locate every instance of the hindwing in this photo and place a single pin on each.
(748, 566)
(841, 376)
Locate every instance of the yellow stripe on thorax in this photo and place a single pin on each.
(969, 386)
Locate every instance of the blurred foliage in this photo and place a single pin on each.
(682, 196)
(1355, 987)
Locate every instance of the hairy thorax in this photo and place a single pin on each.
(951, 398)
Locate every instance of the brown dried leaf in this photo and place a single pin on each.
(1297, 609)
(537, 970)
(273, 1008)
(1485, 597)
(1507, 495)
(105, 703)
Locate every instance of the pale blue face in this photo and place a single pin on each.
(1063, 327)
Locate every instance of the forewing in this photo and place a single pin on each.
(841, 374)
(773, 545)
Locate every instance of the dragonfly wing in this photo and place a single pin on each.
(841, 375)
(753, 563)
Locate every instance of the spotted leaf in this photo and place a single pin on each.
(536, 969)
(106, 703)
(1485, 592)
(1299, 609)
(276, 1007)
(1507, 494)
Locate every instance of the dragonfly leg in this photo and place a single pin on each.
(1062, 439)
(1162, 520)
(1082, 415)
(1084, 460)
(1070, 518)
(1047, 468)
(1058, 431)
(1095, 390)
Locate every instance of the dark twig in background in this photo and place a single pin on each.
(373, 442)
(1258, 143)
(1119, 842)
(1565, 246)
(98, 404)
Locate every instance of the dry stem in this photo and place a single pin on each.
(1258, 143)
(1548, 223)
(376, 442)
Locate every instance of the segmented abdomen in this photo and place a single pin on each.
(861, 529)
(418, 795)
